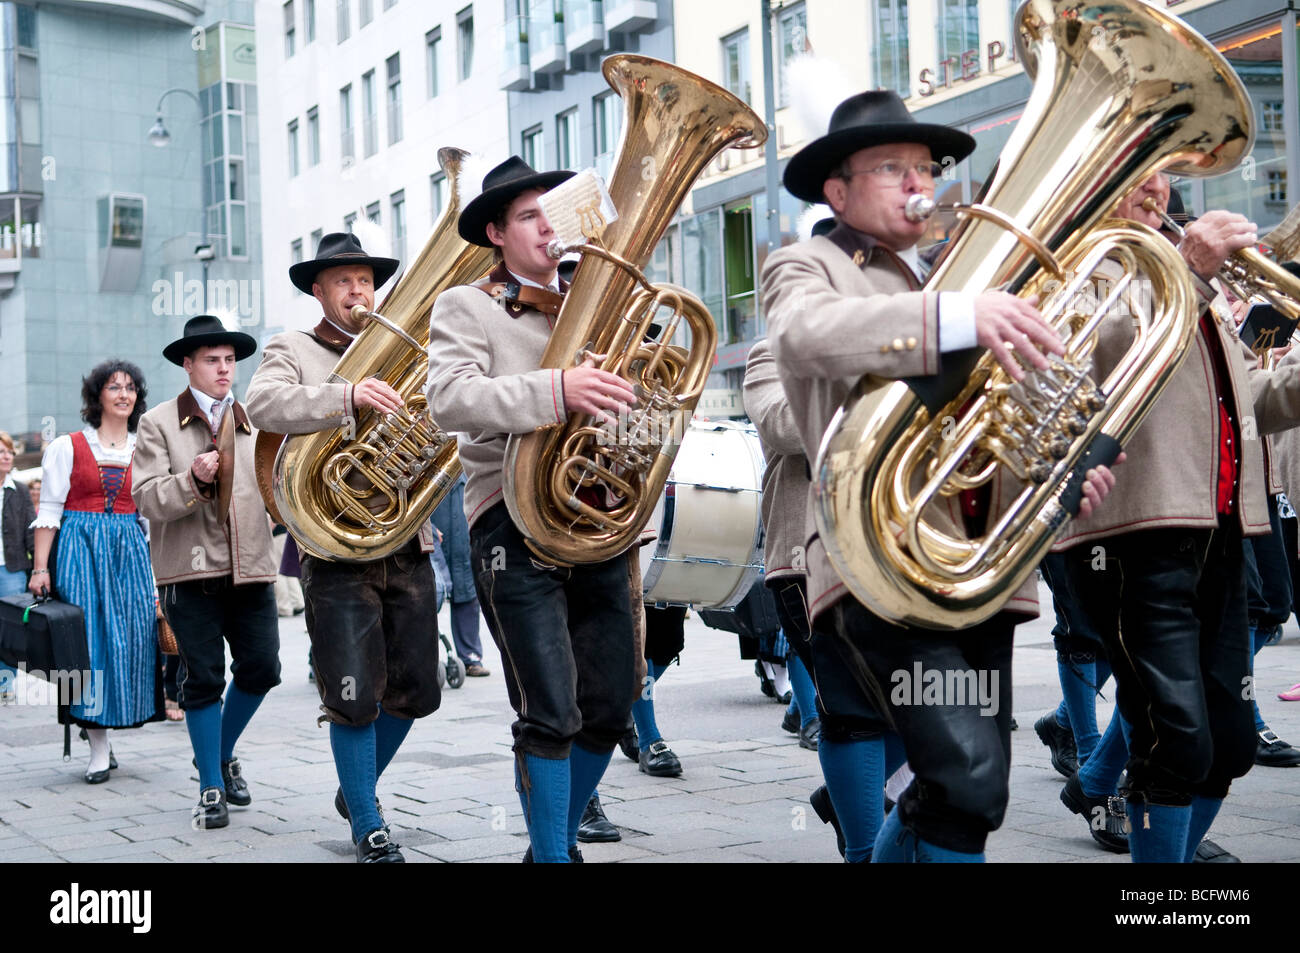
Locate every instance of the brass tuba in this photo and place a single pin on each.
(674, 124)
(1122, 90)
(362, 491)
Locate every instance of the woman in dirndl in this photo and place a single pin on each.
(102, 563)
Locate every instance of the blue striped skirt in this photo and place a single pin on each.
(103, 567)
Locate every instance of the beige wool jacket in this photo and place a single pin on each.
(836, 313)
(1171, 475)
(186, 540)
(484, 383)
(785, 478)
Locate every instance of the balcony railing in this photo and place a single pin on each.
(629, 16)
(515, 71)
(584, 26)
(546, 37)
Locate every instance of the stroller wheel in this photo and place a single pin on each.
(455, 672)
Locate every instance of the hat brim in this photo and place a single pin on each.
(178, 350)
(809, 168)
(304, 273)
(475, 216)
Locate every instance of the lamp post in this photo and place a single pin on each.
(161, 138)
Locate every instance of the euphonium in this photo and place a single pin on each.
(674, 124)
(1122, 91)
(362, 491)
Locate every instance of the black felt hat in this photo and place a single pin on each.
(207, 331)
(500, 187)
(874, 118)
(335, 249)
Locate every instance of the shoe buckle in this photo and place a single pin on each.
(377, 839)
(210, 797)
(233, 769)
(1269, 736)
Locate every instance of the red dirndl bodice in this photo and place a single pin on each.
(97, 488)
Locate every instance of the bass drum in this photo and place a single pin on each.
(710, 545)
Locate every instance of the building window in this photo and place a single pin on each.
(566, 139)
(345, 17)
(309, 21)
(349, 220)
(366, 13)
(313, 136)
(608, 111)
(432, 44)
(532, 151)
(397, 204)
(738, 263)
(347, 141)
(735, 64)
(316, 236)
(293, 148)
(394, 67)
(369, 118)
(792, 39)
(372, 213)
(288, 29)
(465, 35)
(389, 4)
(437, 194)
(1271, 114)
(892, 70)
(958, 31)
(295, 251)
(1277, 185)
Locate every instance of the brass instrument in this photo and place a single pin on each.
(359, 492)
(675, 123)
(1122, 90)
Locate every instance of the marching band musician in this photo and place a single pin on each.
(565, 633)
(373, 625)
(1161, 567)
(216, 579)
(839, 307)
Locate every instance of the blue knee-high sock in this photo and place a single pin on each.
(643, 709)
(1100, 775)
(895, 756)
(354, 759)
(236, 713)
(585, 771)
(1079, 699)
(390, 732)
(204, 725)
(546, 806)
(1204, 810)
(1158, 833)
(803, 692)
(855, 779)
(1258, 636)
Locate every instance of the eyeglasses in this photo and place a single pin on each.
(893, 173)
(118, 388)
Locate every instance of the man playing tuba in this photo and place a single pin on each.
(846, 305)
(373, 625)
(565, 633)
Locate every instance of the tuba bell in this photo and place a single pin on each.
(674, 124)
(362, 491)
(1122, 90)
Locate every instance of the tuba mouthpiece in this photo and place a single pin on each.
(556, 249)
(919, 208)
(360, 313)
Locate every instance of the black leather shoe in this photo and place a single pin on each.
(1060, 742)
(790, 722)
(96, 777)
(341, 805)
(211, 811)
(377, 847)
(810, 734)
(765, 684)
(575, 855)
(595, 827)
(1107, 821)
(232, 776)
(629, 744)
(659, 761)
(1208, 852)
(112, 759)
(824, 809)
(1273, 752)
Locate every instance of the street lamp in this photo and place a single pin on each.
(160, 138)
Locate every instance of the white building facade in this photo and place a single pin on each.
(359, 97)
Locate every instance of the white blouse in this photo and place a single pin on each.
(56, 472)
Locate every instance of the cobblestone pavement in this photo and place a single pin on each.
(449, 794)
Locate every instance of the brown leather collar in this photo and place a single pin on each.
(331, 336)
(500, 284)
(187, 409)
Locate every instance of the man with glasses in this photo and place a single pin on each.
(850, 304)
